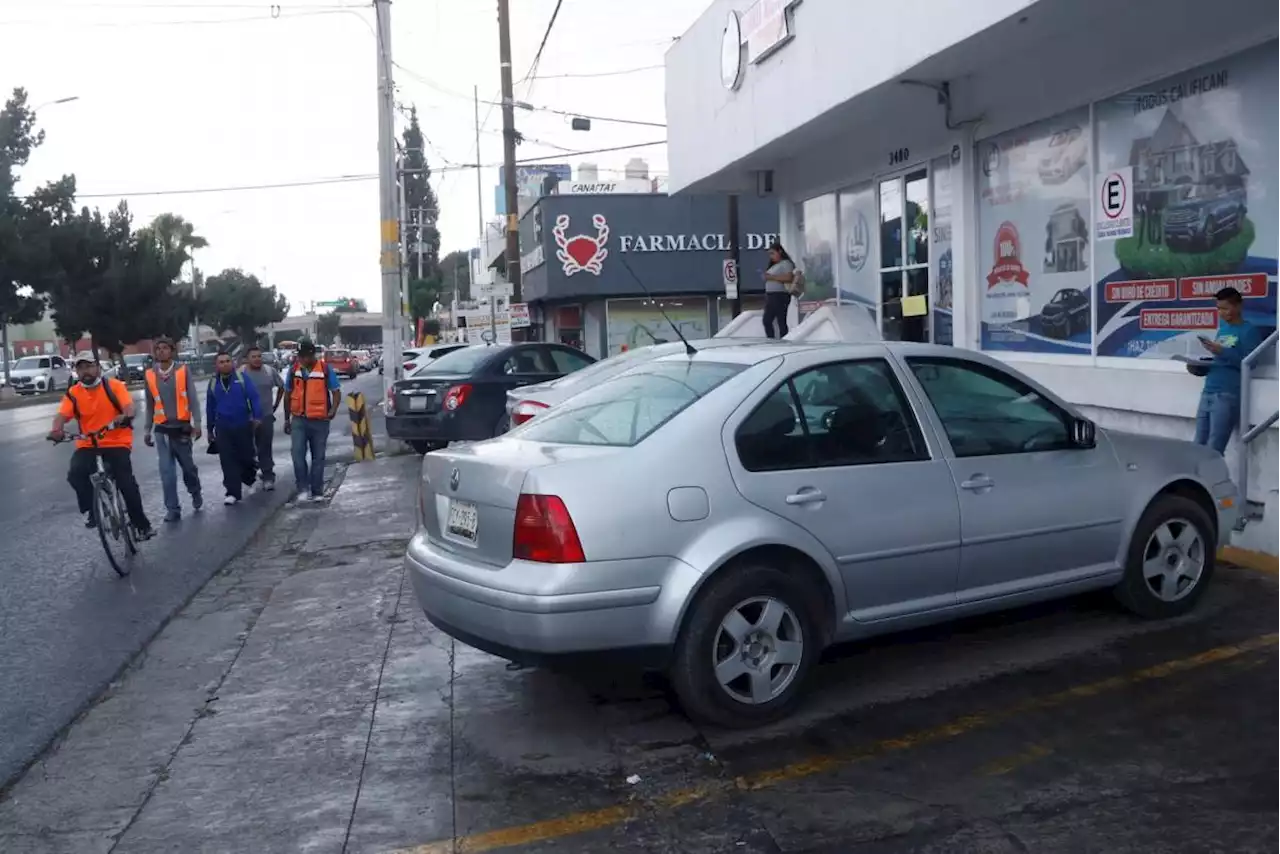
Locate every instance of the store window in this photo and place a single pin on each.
(941, 266)
(1034, 188)
(904, 257)
(636, 323)
(858, 259)
(724, 308)
(1201, 149)
(816, 229)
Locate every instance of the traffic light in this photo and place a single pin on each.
(351, 304)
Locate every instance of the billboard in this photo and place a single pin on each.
(528, 183)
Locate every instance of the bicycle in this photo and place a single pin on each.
(110, 515)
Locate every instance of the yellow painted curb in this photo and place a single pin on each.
(1257, 561)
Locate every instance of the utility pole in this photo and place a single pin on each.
(403, 249)
(735, 252)
(390, 260)
(422, 212)
(509, 149)
(480, 235)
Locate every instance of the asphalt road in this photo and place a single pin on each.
(67, 622)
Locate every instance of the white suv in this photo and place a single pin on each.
(38, 374)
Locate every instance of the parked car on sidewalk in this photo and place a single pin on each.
(462, 395)
(39, 374)
(527, 402)
(724, 517)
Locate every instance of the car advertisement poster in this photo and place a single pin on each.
(1034, 228)
(1202, 150)
(636, 323)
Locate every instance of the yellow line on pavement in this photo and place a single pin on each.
(583, 822)
(1012, 763)
(1257, 561)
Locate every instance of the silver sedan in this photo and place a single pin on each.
(725, 516)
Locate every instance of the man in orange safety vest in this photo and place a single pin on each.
(173, 426)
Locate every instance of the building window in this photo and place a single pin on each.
(1034, 187)
(858, 250)
(636, 323)
(904, 257)
(816, 229)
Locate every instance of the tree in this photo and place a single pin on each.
(423, 295)
(238, 302)
(175, 239)
(26, 223)
(421, 208)
(456, 268)
(328, 327)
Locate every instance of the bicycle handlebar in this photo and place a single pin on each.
(94, 436)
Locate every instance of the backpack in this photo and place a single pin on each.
(795, 287)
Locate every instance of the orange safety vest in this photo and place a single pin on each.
(180, 387)
(309, 393)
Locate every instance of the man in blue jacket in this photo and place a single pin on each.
(233, 411)
(1219, 409)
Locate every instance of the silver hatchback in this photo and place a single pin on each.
(725, 516)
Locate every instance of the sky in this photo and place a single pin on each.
(206, 95)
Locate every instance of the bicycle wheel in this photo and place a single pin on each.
(126, 527)
(110, 526)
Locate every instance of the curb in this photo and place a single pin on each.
(1256, 561)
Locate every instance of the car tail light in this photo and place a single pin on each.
(544, 531)
(526, 410)
(456, 396)
(409, 366)
(389, 405)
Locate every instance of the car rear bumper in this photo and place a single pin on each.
(534, 613)
(434, 427)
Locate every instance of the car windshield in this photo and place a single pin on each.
(136, 359)
(30, 363)
(623, 411)
(462, 361)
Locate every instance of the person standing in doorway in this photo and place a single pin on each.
(173, 426)
(267, 381)
(233, 411)
(1219, 409)
(314, 393)
(777, 297)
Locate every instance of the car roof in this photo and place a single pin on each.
(754, 352)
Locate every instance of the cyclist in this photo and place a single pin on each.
(95, 403)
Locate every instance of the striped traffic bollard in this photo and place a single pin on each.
(361, 430)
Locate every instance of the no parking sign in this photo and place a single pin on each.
(1113, 192)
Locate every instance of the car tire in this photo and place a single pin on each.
(1174, 536)
(704, 640)
(421, 446)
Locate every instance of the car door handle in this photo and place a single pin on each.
(978, 482)
(806, 496)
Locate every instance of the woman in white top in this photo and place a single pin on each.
(777, 299)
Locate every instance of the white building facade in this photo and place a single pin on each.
(1062, 183)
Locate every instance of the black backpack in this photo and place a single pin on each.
(111, 397)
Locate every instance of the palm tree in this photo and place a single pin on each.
(175, 239)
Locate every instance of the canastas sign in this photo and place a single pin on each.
(586, 251)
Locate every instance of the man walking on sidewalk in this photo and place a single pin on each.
(314, 395)
(267, 381)
(233, 411)
(173, 425)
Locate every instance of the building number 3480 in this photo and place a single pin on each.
(899, 156)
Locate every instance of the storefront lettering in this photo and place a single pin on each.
(1172, 94)
(690, 242)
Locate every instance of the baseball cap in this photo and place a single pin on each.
(84, 359)
(307, 348)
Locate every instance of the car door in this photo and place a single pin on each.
(61, 373)
(837, 449)
(1035, 508)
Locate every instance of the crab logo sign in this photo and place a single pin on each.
(581, 251)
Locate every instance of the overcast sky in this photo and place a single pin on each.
(195, 94)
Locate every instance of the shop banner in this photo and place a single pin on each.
(639, 323)
(1201, 147)
(1034, 189)
(859, 265)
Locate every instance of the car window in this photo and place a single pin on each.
(843, 414)
(464, 361)
(58, 363)
(624, 410)
(528, 360)
(567, 361)
(985, 410)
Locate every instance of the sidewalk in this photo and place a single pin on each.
(264, 683)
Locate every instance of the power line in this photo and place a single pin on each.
(239, 19)
(618, 73)
(537, 57)
(311, 182)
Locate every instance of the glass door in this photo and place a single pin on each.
(904, 257)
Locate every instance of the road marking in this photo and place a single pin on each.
(1012, 763)
(1246, 559)
(583, 822)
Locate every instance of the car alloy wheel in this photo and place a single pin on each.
(758, 650)
(1173, 560)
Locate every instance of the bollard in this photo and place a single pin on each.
(361, 431)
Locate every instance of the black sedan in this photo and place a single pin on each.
(462, 396)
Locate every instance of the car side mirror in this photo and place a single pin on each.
(1083, 433)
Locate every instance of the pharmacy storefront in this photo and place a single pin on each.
(1052, 182)
(612, 272)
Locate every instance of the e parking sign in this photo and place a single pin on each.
(1114, 199)
(730, 271)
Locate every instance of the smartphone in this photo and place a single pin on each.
(1203, 339)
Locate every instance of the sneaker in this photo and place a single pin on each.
(197, 502)
(269, 485)
(89, 521)
(230, 499)
(173, 516)
(143, 534)
(316, 499)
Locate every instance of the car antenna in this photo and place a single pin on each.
(688, 348)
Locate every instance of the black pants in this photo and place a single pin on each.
(262, 442)
(775, 311)
(235, 452)
(119, 462)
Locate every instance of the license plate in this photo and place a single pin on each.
(417, 404)
(463, 519)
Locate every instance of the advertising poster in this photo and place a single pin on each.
(943, 281)
(816, 225)
(1202, 150)
(639, 323)
(858, 263)
(1034, 187)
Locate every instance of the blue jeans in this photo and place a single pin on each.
(174, 452)
(1216, 417)
(309, 434)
